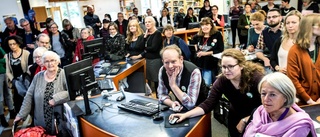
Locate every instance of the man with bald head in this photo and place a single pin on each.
(182, 78)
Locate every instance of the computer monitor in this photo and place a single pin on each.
(93, 48)
(193, 25)
(73, 72)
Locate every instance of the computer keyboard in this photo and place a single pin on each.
(141, 107)
(105, 84)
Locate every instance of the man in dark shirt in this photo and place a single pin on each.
(122, 24)
(268, 36)
(30, 34)
(92, 20)
(10, 30)
(136, 12)
(149, 13)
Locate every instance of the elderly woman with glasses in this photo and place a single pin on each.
(279, 115)
(238, 82)
(47, 93)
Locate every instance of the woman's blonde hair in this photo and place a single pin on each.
(249, 68)
(258, 16)
(130, 34)
(205, 21)
(285, 31)
(306, 26)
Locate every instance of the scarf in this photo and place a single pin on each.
(262, 123)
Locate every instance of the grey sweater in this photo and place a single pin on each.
(35, 94)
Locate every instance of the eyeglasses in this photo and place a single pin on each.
(229, 67)
(13, 44)
(53, 27)
(50, 61)
(274, 16)
(25, 25)
(37, 57)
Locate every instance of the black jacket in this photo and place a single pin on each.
(137, 48)
(91, 20)
(66, 44)
(124, 24)
(6, 33)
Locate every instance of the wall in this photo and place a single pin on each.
(14, 8)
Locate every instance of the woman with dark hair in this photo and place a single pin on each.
(189, 18)
(16, 65)
(48, 22)
(244, 25)
(238, 82)
(115, 43)
(217, 19)
(208, 41)
(205, 11)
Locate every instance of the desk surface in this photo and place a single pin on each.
(314, 112)
(122, 123)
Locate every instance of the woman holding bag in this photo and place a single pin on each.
(47, 92)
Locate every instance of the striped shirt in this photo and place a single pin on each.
(190, 96)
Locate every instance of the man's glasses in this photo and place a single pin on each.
(229, 67)
(274, 16)
(25, 25)
(50, 61)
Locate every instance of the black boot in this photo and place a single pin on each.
(4, 122)
(12, 114)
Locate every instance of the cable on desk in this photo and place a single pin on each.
(101, 109)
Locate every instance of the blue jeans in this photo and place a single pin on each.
(207, 76)
(5, 93)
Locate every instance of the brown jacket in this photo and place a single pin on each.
(304, 74)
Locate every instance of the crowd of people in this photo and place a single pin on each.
(262, 93)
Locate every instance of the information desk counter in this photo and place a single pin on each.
(128, 69)
(113, 121)
(314, 112)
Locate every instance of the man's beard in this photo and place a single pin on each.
(274, 25)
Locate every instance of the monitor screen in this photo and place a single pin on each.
(93, 48)
(73, 72)
(193, 25)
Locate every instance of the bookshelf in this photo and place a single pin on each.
(175, 5)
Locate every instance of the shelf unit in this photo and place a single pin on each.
(42, 13)
(174, 6)
(126, 6)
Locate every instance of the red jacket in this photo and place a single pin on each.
(79, 47)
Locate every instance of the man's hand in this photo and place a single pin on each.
(266, 62)
(173, 77)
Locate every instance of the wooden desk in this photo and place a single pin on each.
(184, 34)
(128, 70)
(112, 122)
(139, 66)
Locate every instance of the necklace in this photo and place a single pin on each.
(286, 10)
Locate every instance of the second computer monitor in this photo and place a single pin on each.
(93, 48)
(193, 25)
(73, 72)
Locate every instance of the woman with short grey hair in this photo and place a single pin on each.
(278, 115)
(47, 93)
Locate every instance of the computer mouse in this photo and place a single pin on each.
(173, 121)
(120, 98)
